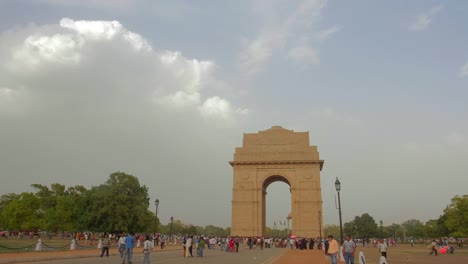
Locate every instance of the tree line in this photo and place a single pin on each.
(452, 223)
(121, 204)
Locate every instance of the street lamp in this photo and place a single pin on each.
(320, 223)
(156, 202)
(381, 229)
(172, 220)
(338, 189)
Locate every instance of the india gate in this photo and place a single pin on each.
(276, 154)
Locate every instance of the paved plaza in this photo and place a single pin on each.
(267, 256)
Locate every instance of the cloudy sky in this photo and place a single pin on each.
(164, 90)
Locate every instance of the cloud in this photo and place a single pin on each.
(328, 33)
(83, 60)
(456, 139)
(422, 21)
(451, 141)
(216, 107)
(282, 32)
(304, 54)
(464, 70)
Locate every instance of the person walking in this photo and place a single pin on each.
(349, 248)
(105, 246)
(122, 245)
(129, 245)
(332, 249)
(188, 246)
(383, 248)
(236, 242)
(146, 250)
(434, 247)
(201, 246)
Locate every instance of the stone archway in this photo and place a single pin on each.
(276, 154)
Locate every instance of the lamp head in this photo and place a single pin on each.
(337, 185)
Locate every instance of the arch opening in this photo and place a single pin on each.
(277, 208)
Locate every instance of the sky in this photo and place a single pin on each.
(165, 89)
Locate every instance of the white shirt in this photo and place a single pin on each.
(383, 247)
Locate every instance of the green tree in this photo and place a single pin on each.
(5, 200)
(333, 230)
(456, 215)
(414, 228)
(120, 204)
(24, 213)
(365, 226)
(349, 229)
(61, 206)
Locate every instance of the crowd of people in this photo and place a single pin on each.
(126, 242)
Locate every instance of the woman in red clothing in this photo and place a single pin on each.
(231, 244)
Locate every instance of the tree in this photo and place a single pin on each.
(5, 200)
(61, 206)
(24, 213)
(333, 230)
(365, 226)
(457, 216)
(414, 228)
(349, 229)
(120, 204)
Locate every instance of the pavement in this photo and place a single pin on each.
(170, 254)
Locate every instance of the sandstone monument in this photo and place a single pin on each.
(276, 154)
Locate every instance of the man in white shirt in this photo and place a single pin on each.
(383, 248)
(122, 245)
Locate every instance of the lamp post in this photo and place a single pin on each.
(156, 202)
(381, 229)
(172, 220)
(320, 223)
(338, 189)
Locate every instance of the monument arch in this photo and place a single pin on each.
(276, 154)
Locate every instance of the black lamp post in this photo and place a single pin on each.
(381, 229)
(320, 223)
(172, 220)
(338, 189)
(156, 202)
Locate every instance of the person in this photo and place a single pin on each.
(231, 244)
(434, 247)
(188, 246)
(201, 246)
(129, 244)
(121, 245)
(349, 248)
(383, 260)
(73, 244)
(163, 242)
(332, 249)
(236, 242)
(146, 250)
(382, 246)
(105, 246)
(39, 244)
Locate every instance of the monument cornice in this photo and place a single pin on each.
(279, 162)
